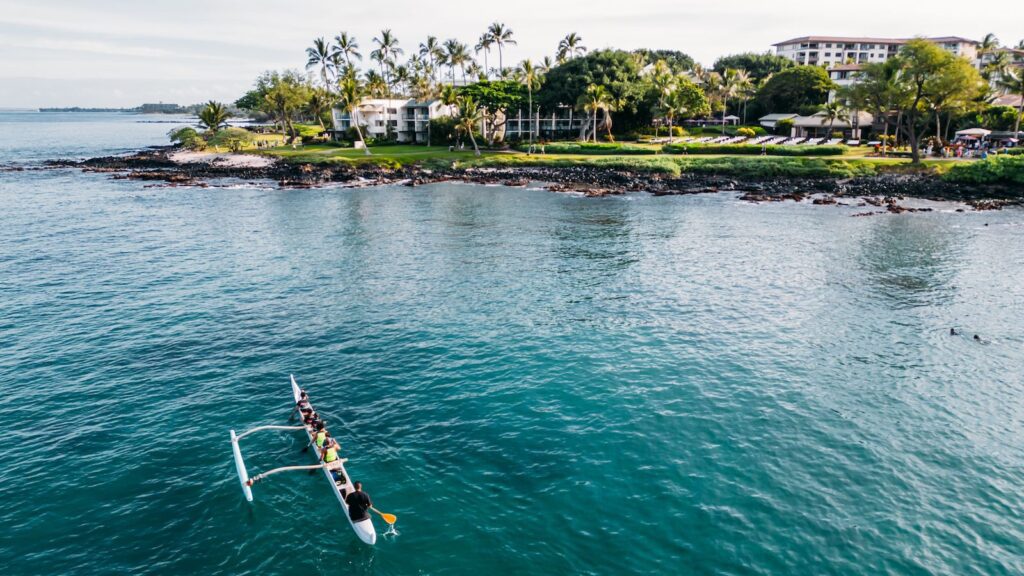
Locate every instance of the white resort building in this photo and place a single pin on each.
(409, 119)
(831, 51)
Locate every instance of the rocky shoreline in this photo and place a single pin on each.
(883, 191)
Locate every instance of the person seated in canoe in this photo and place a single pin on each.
(358, 502)
(329, 452)
(321, 435)
(310, 418)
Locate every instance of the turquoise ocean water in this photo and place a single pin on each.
(535, 383)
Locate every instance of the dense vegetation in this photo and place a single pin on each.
(1004, 169)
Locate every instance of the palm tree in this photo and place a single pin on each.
(1020, 45)
(320, 101)
(401, 79)
(501, 36)
(834, 110)
(469, 117)
(384, 55)
(742, 87)
(350, 95)
(597, 98)
(997, 66)
(531, 78)
(1013, 82)
(347, 48)
(213, 116)
(376, 87)
(457, 56)
(674, 105)
(989, 44)
(664, 82)
(717, 91)
(570, 47)
(430, 51)
(484, 45)
(319, 55)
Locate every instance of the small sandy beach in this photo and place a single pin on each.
(225, 159)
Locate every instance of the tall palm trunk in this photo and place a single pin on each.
(501, 61)
(529, 90)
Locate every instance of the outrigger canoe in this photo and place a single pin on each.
(364, 529)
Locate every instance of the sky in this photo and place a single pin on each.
(114, 53)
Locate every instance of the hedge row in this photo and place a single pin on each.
(754, 149)
(1001, 169)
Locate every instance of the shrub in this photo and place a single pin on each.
(754, 150)
(758, 168)
(1001, 169)
(443, 131)
(784, 127)
(187, 138)
(233, 138)
(1015, 151)
(744, 131)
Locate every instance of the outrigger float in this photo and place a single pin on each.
(363, 528)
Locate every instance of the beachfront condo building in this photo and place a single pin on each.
(409, 119)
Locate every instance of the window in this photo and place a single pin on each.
(392, 111)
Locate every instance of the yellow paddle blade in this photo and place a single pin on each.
(389, 518)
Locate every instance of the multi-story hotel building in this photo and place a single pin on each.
(831, 51)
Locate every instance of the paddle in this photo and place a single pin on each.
(389, 518)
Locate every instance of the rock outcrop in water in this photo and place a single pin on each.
(882, 190)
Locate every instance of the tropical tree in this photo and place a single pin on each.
(597, 98)
(376, 86)
(989, 45)
(741, 87)
(484, 45)
(469, 117)
(286, 96)
(832, 111)
(530, 77)
(350, 96)
(346, 48)
(997, 66)
(1013, 82)
(878, 90)
(570, 47)
(457, 55)
(501, 35)
(320, 101)
(385, 53)
(929, 74)
(758, 66)
(432, 52)
(213, 116)
(319, 56)
(683, 99)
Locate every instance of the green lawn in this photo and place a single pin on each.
(388, 155)
(855, 162)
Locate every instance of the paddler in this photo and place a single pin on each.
(358, 503)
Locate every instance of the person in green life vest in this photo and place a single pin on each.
(329, 450)
(321, 435)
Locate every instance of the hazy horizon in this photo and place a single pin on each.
(113, 53)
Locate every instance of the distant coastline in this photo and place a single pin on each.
(159, 108)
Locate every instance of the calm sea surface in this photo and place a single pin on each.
(533, 382)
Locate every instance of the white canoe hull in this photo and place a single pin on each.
(364, 529)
